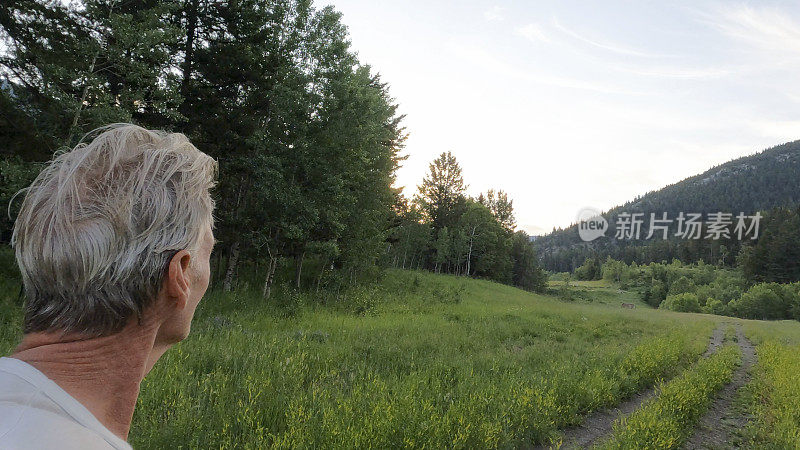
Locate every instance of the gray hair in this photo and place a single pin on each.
(100, 223)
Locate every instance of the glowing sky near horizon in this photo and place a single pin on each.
(567, 104)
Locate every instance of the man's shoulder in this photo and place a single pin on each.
(26, 427)
(31, 417)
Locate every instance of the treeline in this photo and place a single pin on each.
(763, 283)
(308, 138)
(700, 287)
(754, 183)
(446, 231)
(773, 257)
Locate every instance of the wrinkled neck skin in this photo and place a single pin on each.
(102, 373)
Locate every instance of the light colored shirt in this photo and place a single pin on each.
(35, 413)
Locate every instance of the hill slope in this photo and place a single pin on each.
(753, 183)
(418, 360)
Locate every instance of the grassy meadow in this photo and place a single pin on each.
(425, 360)
(773, 396)
(669, 419)
(418, 361)
(595, 291)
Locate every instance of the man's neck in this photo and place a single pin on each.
(102, 373)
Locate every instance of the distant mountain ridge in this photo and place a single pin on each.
(748, 184)
(751, 183)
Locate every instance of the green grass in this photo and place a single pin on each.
(417, 360)
(773, 396)
(10, 302)
(668, 420)
(595, 291)
(582, 283)
(10, 315)
(420, 361)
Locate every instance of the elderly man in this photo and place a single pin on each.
(113, 241)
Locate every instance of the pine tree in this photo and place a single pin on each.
(441, 194)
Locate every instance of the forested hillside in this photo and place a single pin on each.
(754, 183)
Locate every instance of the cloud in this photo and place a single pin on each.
(767, 28)
(494, 14)
(489, 61)
(615, 48)
(778, 130)
(647, 68)
(678, 72)
(533, 230)
(534, 33)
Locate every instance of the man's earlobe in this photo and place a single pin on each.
(178, 278)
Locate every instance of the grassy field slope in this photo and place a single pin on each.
(416, 360)
(772, 398)
(420, 360)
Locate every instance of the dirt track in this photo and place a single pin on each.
(717, 428)
(598, 425)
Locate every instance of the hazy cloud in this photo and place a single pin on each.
(768, 28)
(533, 32)
(494, 14)
(490, 62)
(612, 47)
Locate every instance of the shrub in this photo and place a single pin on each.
(714, 306)
(704, 293)
(791, 295)
(590, 270)
(762, 301)
(686, 302)
(682, 285)
(8, 265)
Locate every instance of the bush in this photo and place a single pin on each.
(560, 276)
(686, 302)
(763, 301)
(590, 270)
(682, 285)
(714, 306)
(8, 265)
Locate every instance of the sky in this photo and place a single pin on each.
(567, 104)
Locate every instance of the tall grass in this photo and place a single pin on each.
(416, 360)
(10, 302)
(419, 360)
(773, 396)
(668, 420)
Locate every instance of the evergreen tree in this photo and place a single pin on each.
(775, 256)
(442, 192)
(526, 272)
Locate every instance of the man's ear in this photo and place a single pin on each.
(178, 278)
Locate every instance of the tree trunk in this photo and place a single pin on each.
(298, 269)
(217, 267)
(188, 49)
(321, 273)
(233, 259)
(273, 262)
(469, 254)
